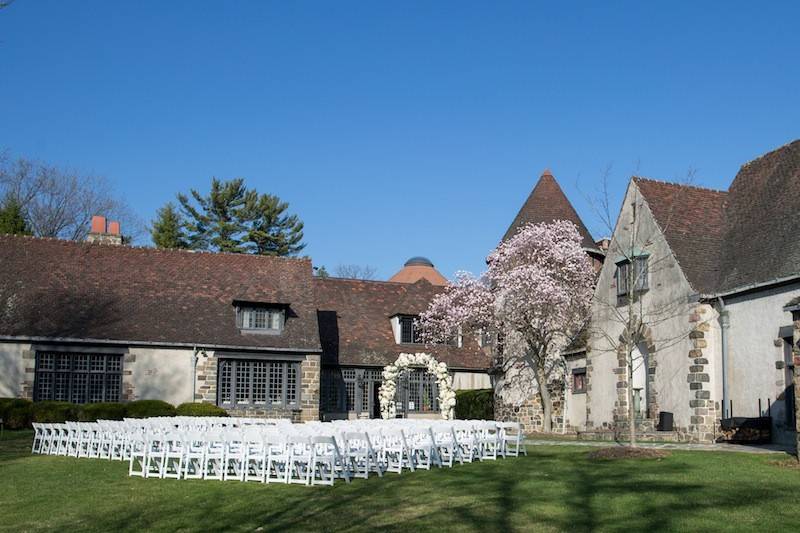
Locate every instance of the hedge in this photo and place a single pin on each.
(102, 411)
(475, 404)
(200, 409)
(16, 413)
(54, 412)
(148, 408)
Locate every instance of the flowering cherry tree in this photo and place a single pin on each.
(536, 292)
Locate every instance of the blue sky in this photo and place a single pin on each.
(397, 129)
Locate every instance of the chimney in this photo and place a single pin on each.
(104, 232)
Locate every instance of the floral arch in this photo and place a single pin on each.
(447, 397)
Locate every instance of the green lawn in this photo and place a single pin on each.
(556, 488)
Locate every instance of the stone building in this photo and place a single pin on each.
(259, 336)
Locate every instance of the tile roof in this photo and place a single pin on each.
(355, 327)
(762, 241)
(728, 241)
(414, 273)
(692, 220)
(64, 289)
(547, 202)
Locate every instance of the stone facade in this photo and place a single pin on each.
(704, 407)
(206, 390)
(529, 413)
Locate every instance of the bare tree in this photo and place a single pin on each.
(352, 271)
(60, 203)
(629, 321)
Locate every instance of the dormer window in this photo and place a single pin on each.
(409, 331)
(257, 319)
(639, 283)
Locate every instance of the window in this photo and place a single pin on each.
(351, 389)
(578, 380)
(78, 377)
(244, 383)
(409, 332)
(418, 390)
(261, 319)
(640, 275)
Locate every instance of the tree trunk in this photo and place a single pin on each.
(547, 401)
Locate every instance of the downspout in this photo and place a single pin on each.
(195, 351)
(724, 321)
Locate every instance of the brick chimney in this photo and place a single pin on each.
(104, 232)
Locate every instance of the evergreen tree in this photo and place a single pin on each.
(168, 229)
(12, 219)
(270, 230)
(215, 223)
(232, 218)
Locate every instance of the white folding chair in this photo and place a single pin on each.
(300, 459)
(327, 462)
(278, 458)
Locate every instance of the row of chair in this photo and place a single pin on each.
(311, 453)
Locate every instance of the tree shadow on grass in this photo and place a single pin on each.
(550, 490)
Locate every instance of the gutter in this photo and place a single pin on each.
(14, 338)
(750, 287)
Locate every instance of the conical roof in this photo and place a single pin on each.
(546, 203)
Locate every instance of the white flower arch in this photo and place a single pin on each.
(447, 397)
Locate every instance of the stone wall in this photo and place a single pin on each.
(705, 408)
(529, 413)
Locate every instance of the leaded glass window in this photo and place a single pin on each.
(78, 377)
(244, 382)
(260, 319)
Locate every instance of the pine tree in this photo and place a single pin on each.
(215, 223)
(232, 218)
(12, 219)
(168, 229)
(270, 230)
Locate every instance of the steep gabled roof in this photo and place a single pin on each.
(64, 289)
(355, 326)
(692, 221)
(762, 239)
(546, 203)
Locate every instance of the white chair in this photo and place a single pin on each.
(396, 453)
(156, 454)
(255, 455)
(362, 458)
(235, 451)
(214, 457)
(512, 439)
(38, 437)
(300, 459)
(173, 455)
(489, 436)
(195, 454)
(326, 461)
(138, 455)
(278, 458)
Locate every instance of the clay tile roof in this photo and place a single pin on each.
(355, 323)
(63, 289)
(418, 268)
(692, 220)
(762, 241)
(547, 202)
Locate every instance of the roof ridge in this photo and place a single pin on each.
(376, 281)
(141, 248)
(685, 185)
(766, 154)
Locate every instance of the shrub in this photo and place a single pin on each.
(54, 412)
(475, 404)
(148, 408)
(91, 412)
(16, 413)
(200, 409)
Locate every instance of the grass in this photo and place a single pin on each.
(556, 488)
